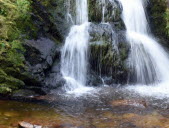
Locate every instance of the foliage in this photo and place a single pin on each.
(15, 19)
(8, 83)
(11, 63)
(13, 15)
(12, 51)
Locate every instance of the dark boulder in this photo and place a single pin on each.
(50, 17)
(54, 77)
(39, 56)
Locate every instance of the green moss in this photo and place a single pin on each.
(15, 21)
(8, 83)
(105, 59)
(167, 21)
(11, 52)
(159, 17)
(11, 63)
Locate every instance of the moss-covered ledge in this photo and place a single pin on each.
(159, 18)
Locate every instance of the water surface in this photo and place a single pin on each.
(107, 108)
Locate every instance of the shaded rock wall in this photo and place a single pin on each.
(39, 56)
(108, 52)
(50, 17)
(108, 48)
(156, 10)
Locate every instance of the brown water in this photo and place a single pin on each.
(117, 110)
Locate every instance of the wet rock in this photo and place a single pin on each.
(54, 80)
(11, 114)
(112, 10)
(27, 125)
(45, 98)
(39, 57)
(131, 102)
(94, 79)
(54, 77)
(24, 93)
(128, 125)
(50, 17)
(100, 31)
(153, 120)
(66, 125)
(108, 52)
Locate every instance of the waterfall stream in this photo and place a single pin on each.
(148, 60)
(74, 52)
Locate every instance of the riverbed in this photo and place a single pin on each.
(107, 108)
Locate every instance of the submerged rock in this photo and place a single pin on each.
(24, 93)
(27, 125)
(132, 102)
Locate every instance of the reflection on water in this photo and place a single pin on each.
(109, 108)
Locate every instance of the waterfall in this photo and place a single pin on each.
(81, 11)
(103, 9)
(69, 16)
(148, 61)
(74, 52)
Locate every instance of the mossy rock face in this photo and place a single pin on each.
(157, 11)
(112, 11)
(15, 19)
(108, 52)
(50, 16)
(8, 81)
(15, 25)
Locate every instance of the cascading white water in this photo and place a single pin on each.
(103, 9)
(69, 16)
(74, 57)
(148, 60)
(74, 52)
(81, 11)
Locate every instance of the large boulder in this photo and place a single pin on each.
(108, 53)
(39, 56)
(50, 17)
(54, 77)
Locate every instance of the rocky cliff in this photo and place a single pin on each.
(37, 47)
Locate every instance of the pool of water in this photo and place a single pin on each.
(108, 108)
